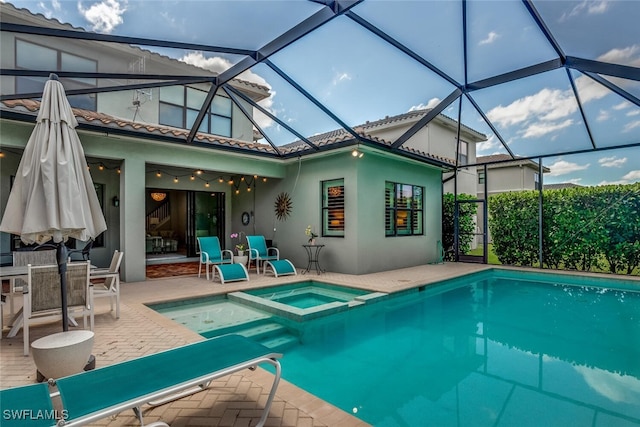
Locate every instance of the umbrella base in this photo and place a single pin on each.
(91, 365)
(62, 354)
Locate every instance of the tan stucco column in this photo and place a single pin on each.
(132, 211)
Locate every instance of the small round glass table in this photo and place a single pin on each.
(313, 255)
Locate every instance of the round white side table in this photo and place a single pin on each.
(62, 354)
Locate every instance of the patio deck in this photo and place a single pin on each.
(233, 401)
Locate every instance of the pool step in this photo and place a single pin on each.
(262, 331)
(270, 334)
(236, 328)
(281, 342)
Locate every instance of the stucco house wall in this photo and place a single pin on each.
(364, 248)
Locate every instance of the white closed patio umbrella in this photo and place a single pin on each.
(53, 197)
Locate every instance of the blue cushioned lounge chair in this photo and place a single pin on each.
(211, 254)
(282, 267)
(154, 379)
(231, 272)
(258, 251)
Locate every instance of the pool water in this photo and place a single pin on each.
(306, 300)
(497, 348)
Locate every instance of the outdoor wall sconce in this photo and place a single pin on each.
(356, 152)
(116, 201)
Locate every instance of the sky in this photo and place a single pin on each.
(361, 77)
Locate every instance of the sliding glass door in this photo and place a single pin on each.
(205, 217)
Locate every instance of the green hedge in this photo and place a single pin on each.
(584, 228)
(466, 224)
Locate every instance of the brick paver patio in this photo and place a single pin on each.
(236, 400)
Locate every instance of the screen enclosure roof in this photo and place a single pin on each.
(535, 78)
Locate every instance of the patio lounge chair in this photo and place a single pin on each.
(27, 400)
(158, 378)
(230, 272)
(258, 251)
(282, 267)
(211, 254)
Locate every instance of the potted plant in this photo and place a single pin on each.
(312, 236)
(240, 246)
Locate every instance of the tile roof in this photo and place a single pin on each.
(110, 122)
(328, 139)
(507, 160)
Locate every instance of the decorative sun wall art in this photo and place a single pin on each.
(283, 206)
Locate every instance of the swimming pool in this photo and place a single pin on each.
(494, 348)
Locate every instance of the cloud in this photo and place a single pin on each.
(562, 167)
(632, 176)
(612, 162)
(105, 15)
(633, 113)
(540, 112)
(491, 144)
(629, 55)
(339, 78)
(432, 103)
(590, 7)
(619, 182)
(543, 128)
(218, 65)
(547, 104)
(491, 37)
(630, 126)
(603, 116)
(622, 105)
(49, 12)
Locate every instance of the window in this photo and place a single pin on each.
(536, 179)
(403, 209)
(463, 153)
(36, 57)
(180, 105)
(481, 177)
(333, 208)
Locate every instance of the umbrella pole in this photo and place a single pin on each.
(62, 254)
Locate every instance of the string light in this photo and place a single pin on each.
(234, 181)
(101, 167)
